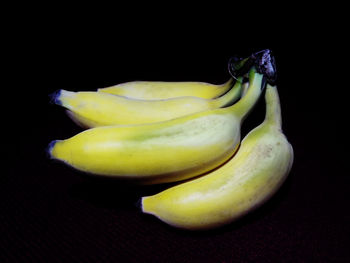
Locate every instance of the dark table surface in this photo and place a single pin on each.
(52, 213)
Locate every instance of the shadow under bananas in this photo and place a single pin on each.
(112, 193)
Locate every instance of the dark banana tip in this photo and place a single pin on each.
(238, 66)
(49, 148)
(138, 204)
(55, 97)
(266, 64)
(263, 60)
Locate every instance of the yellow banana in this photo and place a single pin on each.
(160, 152)
(151, 90)
(243, 183)
(93, 109)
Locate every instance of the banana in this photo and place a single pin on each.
(242, 184)
(93, 109)
(151, 90)
(161, 152)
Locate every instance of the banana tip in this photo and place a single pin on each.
(138, 204)
(49, 149)
(55, 97)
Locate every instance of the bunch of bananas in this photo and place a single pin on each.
(160, 132)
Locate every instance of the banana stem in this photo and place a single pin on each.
(245, 87)
(231, 96)
(273, 107)
(227, 84)
(245, 105)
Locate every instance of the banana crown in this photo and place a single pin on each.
(263, 60)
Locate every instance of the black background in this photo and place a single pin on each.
(51, 213)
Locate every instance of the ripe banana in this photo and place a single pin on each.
(161, 152)
(151, 90)
(93, 109)
(242, 184)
